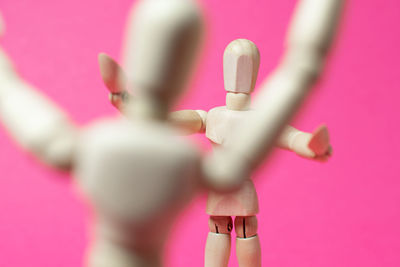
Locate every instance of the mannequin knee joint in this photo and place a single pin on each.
(246, 226)
(220, 224)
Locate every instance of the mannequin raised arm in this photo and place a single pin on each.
(36, 123)
(310, 34)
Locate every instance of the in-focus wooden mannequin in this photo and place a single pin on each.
(241, 63)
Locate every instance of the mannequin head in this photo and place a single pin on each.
(162, 40)
(241, 62)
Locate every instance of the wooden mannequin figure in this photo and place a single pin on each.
(135, 171)
(241, 63)
(302, 63)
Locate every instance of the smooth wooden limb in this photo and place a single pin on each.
(248, 251)
(189, 121)
(314, 25)
(218, 250)
(105, 253)
(34, 121)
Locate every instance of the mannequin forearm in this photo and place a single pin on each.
(288, 137)
(33, 120)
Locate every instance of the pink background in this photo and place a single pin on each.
(343, 213)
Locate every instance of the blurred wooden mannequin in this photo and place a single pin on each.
(134, 170)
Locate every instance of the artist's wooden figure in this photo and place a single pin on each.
(135, 170)
(241, 62)
(221, 124)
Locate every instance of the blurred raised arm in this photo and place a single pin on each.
(34, 122)
(310, 35)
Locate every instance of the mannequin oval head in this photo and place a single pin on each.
(241, 62)
(162, 41)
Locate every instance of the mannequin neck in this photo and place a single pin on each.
(147, 109)
(238, 101)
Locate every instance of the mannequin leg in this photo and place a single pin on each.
(218, 246)
(105, 253)
(248, 250)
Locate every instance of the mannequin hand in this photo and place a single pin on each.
(115, 80)
(315, 145)
(319, 144)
